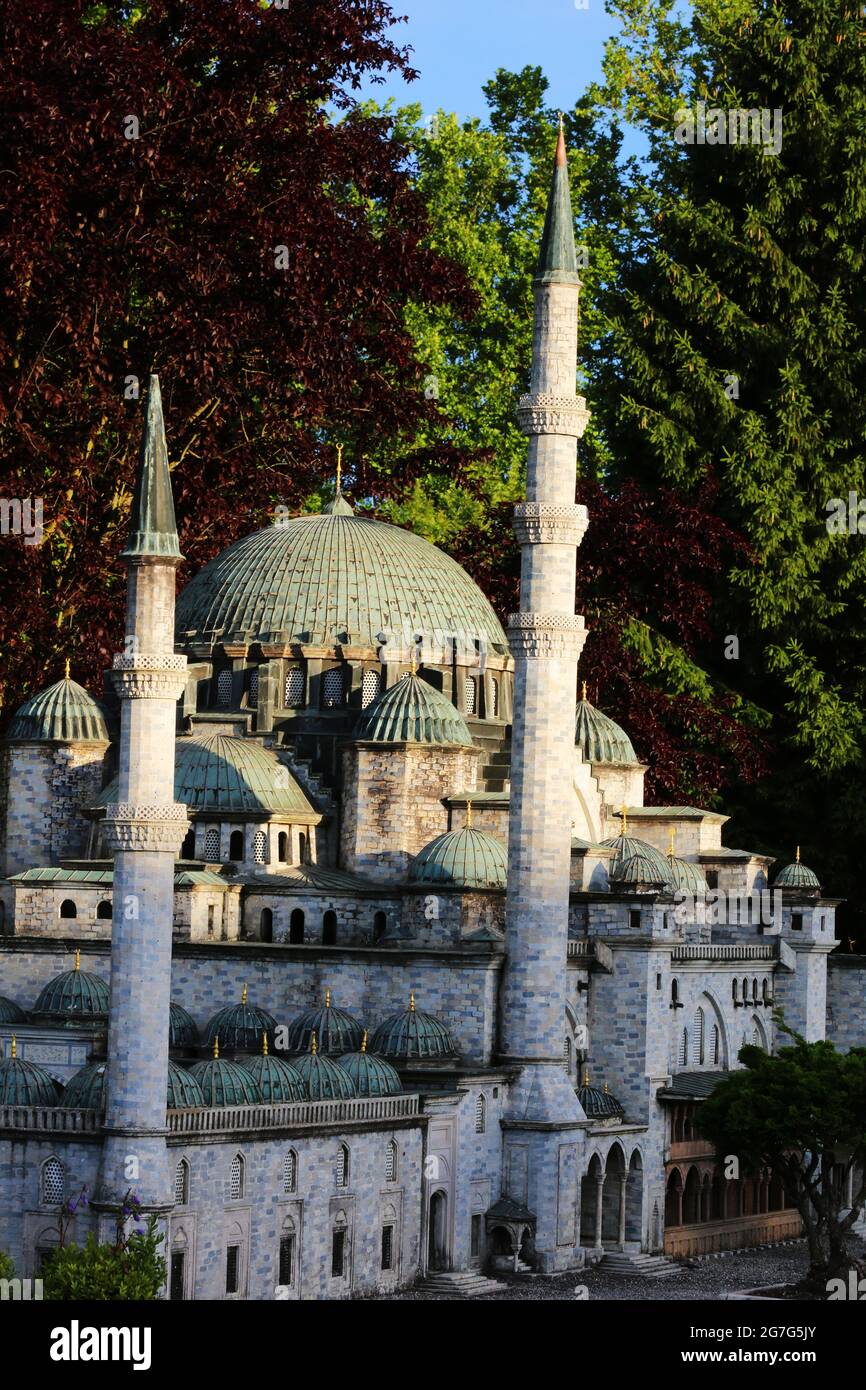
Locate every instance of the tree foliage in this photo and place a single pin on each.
(132, 1268)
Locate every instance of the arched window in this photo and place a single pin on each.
(342, 1173)
(224, 687)
(338, 1246)
(260, 844)
(745, 990)
(236, 845)
(684, 1048)
(698, 1049)
(329, 929)
(754, 991)
(391, 1162)
(266, 925)
(756, 1036)
(371, 684)
(236, 1178)
(181, 1183)
(294, 687)
(212, 845)
(675, 992)
(734, 991)
(68, 908)
(765, 991)
(717, 1045)
(103, 911)
(53, 1181)
(470, 695)
(380, 923)
(253, 698)
(302, 848)
(187, 849)
(480, 1115)
(296, 927)
(494, 699)
(333, 687)
(282, 847)
(290, 1171)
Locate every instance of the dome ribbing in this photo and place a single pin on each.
(412, 711)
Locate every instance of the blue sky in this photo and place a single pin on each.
(459, 44)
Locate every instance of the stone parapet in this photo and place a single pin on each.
(545, 413)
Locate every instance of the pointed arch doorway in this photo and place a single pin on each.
(437, 1251)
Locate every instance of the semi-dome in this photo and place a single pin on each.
(687, 877)
(240, 1027)
(86, 1089)
(182, 1029)
(278, 1082)
(627, 847)
(64, 713)
(182, 1091)
(75, 994)
(599, 738)
(333, 578)
(215, 772)
(413, 1036)
(223, 1082)
(371, 1075)
(465, 858)
(336, 1031)
(10, 1012)
(598, 1104)
(412, 711)
(639, 868)
(323, 1078)
(796, 875)
(23, 1082)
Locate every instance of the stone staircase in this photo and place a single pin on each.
(313, 782)
(494, 766)
(463, 1283)
(634, 1265)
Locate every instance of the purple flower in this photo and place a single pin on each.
(140, 1231)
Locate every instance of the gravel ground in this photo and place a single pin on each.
(708, 1279)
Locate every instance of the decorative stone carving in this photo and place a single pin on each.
(544, 413)
(553, 635)
(148, 685)
(149, 661)
(536, 523)
(153, 828)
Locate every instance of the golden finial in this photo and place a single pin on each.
(264, 1044)
(413, 664)
(313, 1048)
(14, 1051)
(216, 1046)
(339, 465)
(66, 673)
(586, 1076)
(605, 1089)
(327, 999)
(364, 1041)
(623, 817)
(469, 815)
(244, 995)
(798, 854)
(77, 965)
(412, 1002)
(671, 843)
(583, 690)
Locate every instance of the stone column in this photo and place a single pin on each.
(599, 1212)
(623, 1183)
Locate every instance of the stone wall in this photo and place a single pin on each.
(356, 916)
(846, 1001)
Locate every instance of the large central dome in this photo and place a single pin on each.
(334, 578)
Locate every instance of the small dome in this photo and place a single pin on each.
(278, 1081)
(796, 875)
(74, 995)
(335, 1030)
(465, 858)
(10, 1012)
(225, 1083)
(629, 848)
(322, 1078)
(240, 1027)
(371, 1075)
(687, 877)
(86, 1089)
(24, 1083)
(182, 1091)
(639, 868)
(64, 713)
(598, 1105)
(182, 1030)
(412, 711)
(413, 1036)
(599, 738)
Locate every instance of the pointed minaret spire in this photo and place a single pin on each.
(557, 259)
(153, 530)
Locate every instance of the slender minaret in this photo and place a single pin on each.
(546, 638)
(144, 831)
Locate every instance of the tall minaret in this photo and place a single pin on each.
(546, 638)
(144, 831)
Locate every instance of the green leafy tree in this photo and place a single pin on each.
(130, 1268)
(802, 1115)
(7, 1268)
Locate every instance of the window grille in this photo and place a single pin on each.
(236, 1183)
(224, 688)
(52, 1181)
(371, 684)
(332, 687)
(294, 687)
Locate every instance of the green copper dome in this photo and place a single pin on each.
(639, 868)
(599, 738)
(413, 1036)
(598, 1105)
(24, 1083)
(220, 773)
(323, 1079)
(333, 578)
(182, 1091)
(10, 1011)
(225, 1083)
(240, 1027)
(371, 1075)
(278, 1082)
(86, 1089)
(629, 848)
(687, 877)
(796, 875)
(464, 858)
(182, 1029)
(74, 995)
(412, 711)
(335, 1030)
(64, 713)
